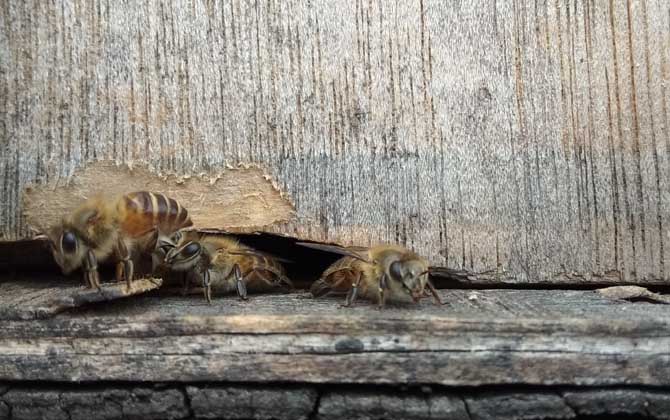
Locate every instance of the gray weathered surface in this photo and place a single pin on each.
(235, 402)
(28, 298)
(103, 404)
(518, 406)
(599, 402)
(484, 337)
(529, 137)
(377, 405)
(278, 401)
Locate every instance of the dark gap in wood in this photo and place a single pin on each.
(413, 389)
(305, 266)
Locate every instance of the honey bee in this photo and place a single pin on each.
(380, 273)
(115, 229)
(223, 264)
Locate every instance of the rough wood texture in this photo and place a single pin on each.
(29, 299)
(484, 337)
(237, 402)
(280, 402)
(525, 137)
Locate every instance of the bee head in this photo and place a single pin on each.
(411, 275)
(67, 248)
(184, 256)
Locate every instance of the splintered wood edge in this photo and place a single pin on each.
(112, 291)
(65, 298)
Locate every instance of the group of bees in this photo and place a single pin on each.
(158, 228)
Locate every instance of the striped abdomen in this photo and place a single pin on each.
(145, 211)
(262, 272)
(338, 278)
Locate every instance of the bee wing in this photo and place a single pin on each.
(337, 279)
(353, 252)
(320, 288)
(255, 253)
(280, 276)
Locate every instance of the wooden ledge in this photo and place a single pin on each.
(484, 337)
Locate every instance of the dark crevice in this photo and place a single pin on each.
(565, 401)
(314, 414)
(467, 407)
(63, 408)
(304, 265)
(187, 402)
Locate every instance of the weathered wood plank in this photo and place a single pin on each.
(279, 401)
(530, 138)
(482, 337)
(29, 299)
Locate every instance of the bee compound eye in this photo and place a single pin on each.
(191, 249)
(68, 242)
(396, 270)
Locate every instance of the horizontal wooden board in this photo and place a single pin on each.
(306, 402)
(479, 337)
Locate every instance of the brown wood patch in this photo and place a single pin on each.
(241, 199)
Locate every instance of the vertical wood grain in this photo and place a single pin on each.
(530, 138)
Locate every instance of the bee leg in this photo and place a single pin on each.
(152, 239)
(91, 270)
(128, 268)
(239, 283)
(185, 283)
(438, 301)
(351, 296)
(119, 271)
(206, 285)
(382, 288)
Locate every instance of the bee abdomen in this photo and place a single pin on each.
(147, 210)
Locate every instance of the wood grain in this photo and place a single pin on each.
(486, 338)
(530, 138)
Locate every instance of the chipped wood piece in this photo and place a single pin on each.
(36, 299)
(504, 337)
(632, 293)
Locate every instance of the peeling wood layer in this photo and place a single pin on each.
(240, 199)
(26, 300)
(525, 137)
